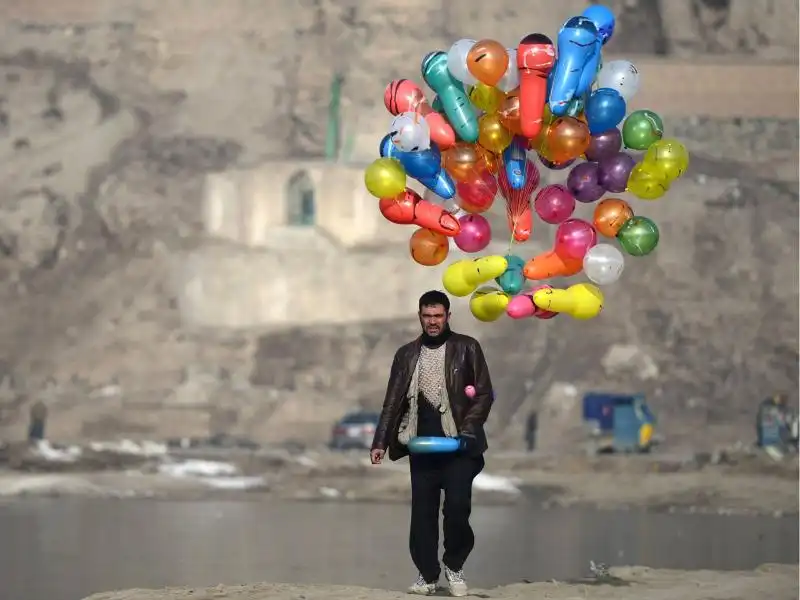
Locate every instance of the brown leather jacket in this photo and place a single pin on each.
(464, 365)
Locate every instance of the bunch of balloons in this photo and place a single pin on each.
(499, 115)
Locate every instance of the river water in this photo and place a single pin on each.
(66, 549)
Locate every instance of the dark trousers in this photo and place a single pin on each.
(430, 475)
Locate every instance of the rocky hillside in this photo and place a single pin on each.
(112, 110)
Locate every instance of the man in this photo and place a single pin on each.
(427, 396)
(530, 430)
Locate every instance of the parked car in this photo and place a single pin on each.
(354, 431)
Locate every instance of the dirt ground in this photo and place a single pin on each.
(768, 582)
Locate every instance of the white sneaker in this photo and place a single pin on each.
(422, 587)
(455, 582)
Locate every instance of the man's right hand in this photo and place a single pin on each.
(376, 455)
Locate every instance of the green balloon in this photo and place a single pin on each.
(638, 236)
(642, 128)
(437, 104)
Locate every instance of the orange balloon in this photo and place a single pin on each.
(488, 61)
(428, 248)
(550, 264)
(489, 159)
(567, 138)
(462, 161)
(541, 142)
(509, 112)
(610, 215)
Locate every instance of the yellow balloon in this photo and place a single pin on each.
(581, 301)
(486, 97)
(668, 157)
(463, 277)
(646, 184)
(492, 134)
(486, 268)
(488, 304)
(385, 178)
(455, 281)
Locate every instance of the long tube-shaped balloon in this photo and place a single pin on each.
(577, 42)
(535, 57)
(409, 209)
(451, 93)
(425, 166)
(403, 95)
(514, 162)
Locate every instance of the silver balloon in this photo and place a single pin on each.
(620, 75)
(603, 264)
(511, 78)
(457, 61)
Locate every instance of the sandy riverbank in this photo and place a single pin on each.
(769, 582)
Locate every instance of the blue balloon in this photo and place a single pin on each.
(512, 279)
(577, 43)
(590, 69)
(604, 110)
(433, 445)
(425, 166)
(514, 158)
(603, 19)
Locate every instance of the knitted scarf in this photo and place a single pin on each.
(429, 379)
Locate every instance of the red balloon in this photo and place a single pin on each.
(536, 56)
(477, 194)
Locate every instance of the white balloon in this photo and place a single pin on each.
(620, 75)
(457, 61)
(603, 264)
(511, 78)
(410, 132)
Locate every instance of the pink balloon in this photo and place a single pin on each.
(574, 237)
(475, 234)
(554, 204)
(522, 306)
(470, 391)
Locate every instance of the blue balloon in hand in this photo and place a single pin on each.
(514, 158)
(577, 44)
(604, 110)
(425, 166)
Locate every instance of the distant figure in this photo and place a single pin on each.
(775, 416)
(530, 430)
(38, 420)
(427, 396)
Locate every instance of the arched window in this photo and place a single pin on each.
(300, 204)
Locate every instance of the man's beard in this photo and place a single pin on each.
(434, 340)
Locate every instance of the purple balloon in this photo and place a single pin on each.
(615, 170)
(574, 237)
(604, 144)
(554, 204)
(584, 182)
(475, 234)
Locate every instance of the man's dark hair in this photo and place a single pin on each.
(434, 297)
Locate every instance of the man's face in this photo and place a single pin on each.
(433, 318)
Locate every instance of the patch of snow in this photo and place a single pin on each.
(198, 468)
(234, 483)
(496, 483)
(64, 455)
(144, 448)
(45, 485)
(306, 461)
(329, 492)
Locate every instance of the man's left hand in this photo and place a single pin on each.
(467, 442)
